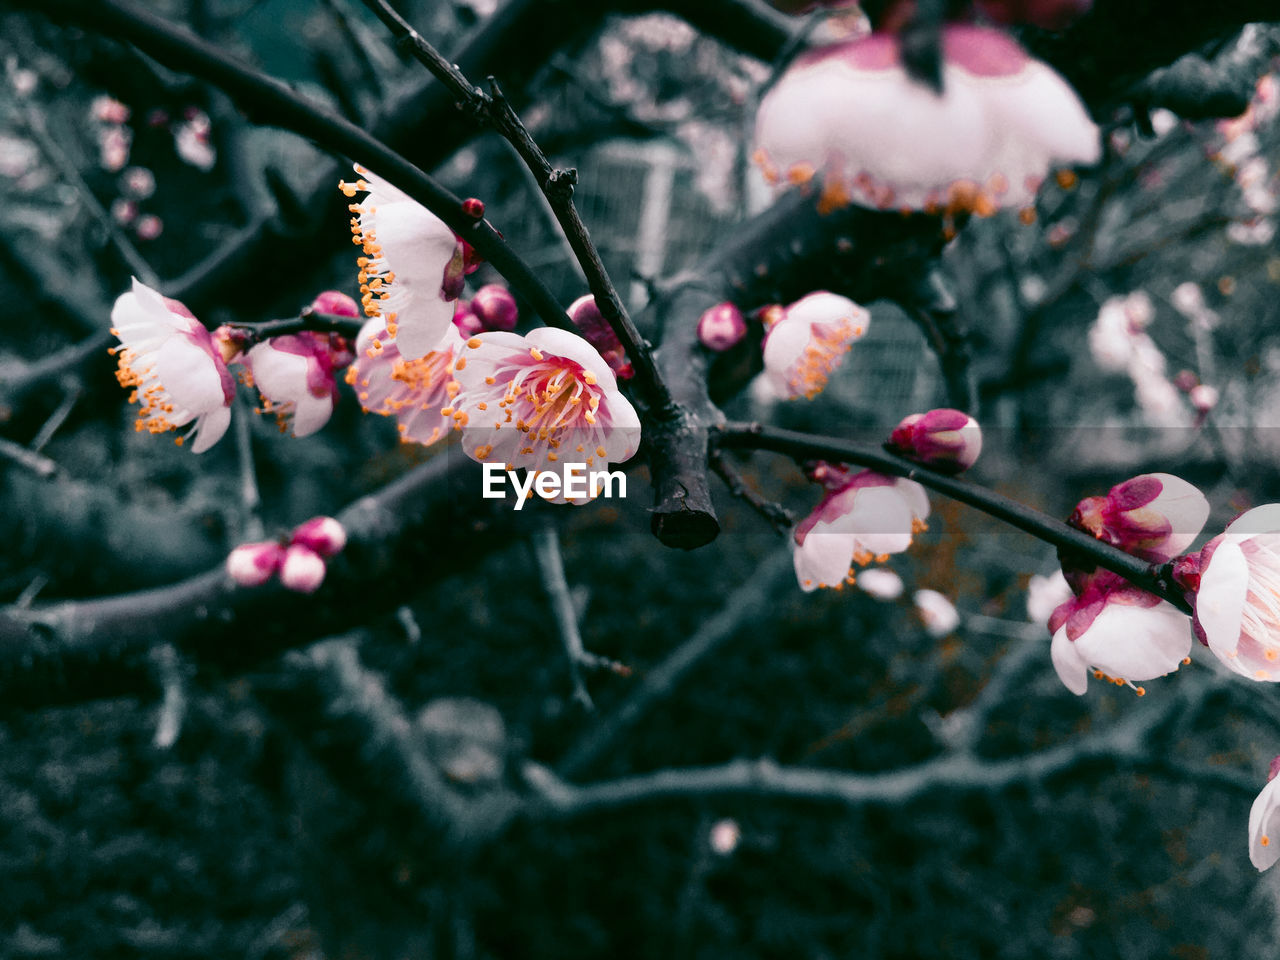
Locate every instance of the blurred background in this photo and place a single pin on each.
(1133, 327)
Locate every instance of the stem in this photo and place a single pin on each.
(307, 319)
(493, 110)
(803, 446)
(269, 101)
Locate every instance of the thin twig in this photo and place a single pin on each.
(57, 418)
(778, 516)
(251, 527)
(307, 319)
(493, 109)
(747, 603)
(37, 463)
(268, 100)
(545, 543)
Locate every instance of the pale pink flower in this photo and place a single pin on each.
(862, 518)
(295, 375)
(725, 837)
(107, 109)
(149, 226)
(809, 342)
(253, 564)
(412, 265)
(939, 614)
(1203, 397)
(1264, 822)
(536, 400)
(850, 113)
(1046, 594)
(1237, 597)
(191, 139)
(302, 570)
(1153, 516)
(179, 374)
(413, 391)
(946, 440)
(1120, 633)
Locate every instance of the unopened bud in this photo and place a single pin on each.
(1204, 397)
(253, 564)
(496, 307)
(1153, 516)
(721, 327)
(337, 303)
(325, 535)
(466, 321)
(586, 316)
(946, 440)
(473, 208)
(302, 570)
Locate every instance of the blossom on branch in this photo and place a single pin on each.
(1118, 632)
(721, 327)
(178, 372)
(591, 323)
(945, 440)
(412, 264)
(849, 114)
(808, 340)
(538, 400)
(295, 375)
(1235, 586)
(1264, 822)
(298, 560)
(1153, 516)
(862, 518)
(413, 391)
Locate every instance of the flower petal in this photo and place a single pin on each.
(823, 559)
(1264, 826)
(1224, 587)
(190, 375)
(1072, 670)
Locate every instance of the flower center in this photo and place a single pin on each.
(828, 342)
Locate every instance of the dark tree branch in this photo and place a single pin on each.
(802, 446)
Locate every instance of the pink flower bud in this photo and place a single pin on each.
(1186, 381)
(106, 109)
(473, 208)
(466, 321)
(1204, 397)
(150, 227)
(721, 327)
(496, 307)
(325, 535)
(302, 570)
(337, 303)
(946, 440)
(253, 564)
(586, 316)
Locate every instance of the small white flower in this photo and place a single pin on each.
(939, 614)
(809, 342)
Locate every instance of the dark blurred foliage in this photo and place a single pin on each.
(270, 829)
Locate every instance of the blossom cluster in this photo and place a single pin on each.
(298, 560)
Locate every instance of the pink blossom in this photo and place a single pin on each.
(1203, 397)
(324, 535)
(532, 401)
(1153, 516)
(1264, 822)
(861, 518)
(721, 327)
(1046, 594)
(809, 342)
(412, 264)
(850, 113)
(415, 392)
(1121, 633)
(302, 570)
(253, 564)
(178, 373)
(944, 439)
(466, 321)
(149, 226)
(107, 109)
(1237, 596)
(295, 375)
(586, 316)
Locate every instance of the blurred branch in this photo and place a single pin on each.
(746, 604)
(778, 516)
(267, 100)
(28, 459)
(1123, 744)
(545, 544)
